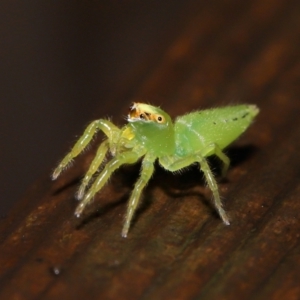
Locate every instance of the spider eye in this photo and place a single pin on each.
(160, 119)
(142, 116)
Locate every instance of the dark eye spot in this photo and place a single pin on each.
(159, 119)
(142, 116)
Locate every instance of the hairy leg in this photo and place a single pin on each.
(94, 166)
(111, 166)
(109, 129)
(175, 163)
(146, 173)
(214, 149)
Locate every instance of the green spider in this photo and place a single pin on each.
(151, 134)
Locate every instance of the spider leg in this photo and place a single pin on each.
(146, 173)
(177, 163)
(111, 166)
(94, 166)
(214, 149)
(109, 129)
(209, 176)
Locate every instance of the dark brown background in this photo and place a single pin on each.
(64, 65)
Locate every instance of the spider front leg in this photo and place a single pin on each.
(109, 129)
(176, 163)
(94, 166)
(146, 173)
(112, 165)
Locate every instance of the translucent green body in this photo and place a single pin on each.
(153, 137)
(150, 134)
(197, 130)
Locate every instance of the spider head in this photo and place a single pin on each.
(152, 128)
(147, 113)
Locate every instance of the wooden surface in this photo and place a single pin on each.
(177, 248)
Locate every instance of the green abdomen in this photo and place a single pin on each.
(196, 131)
